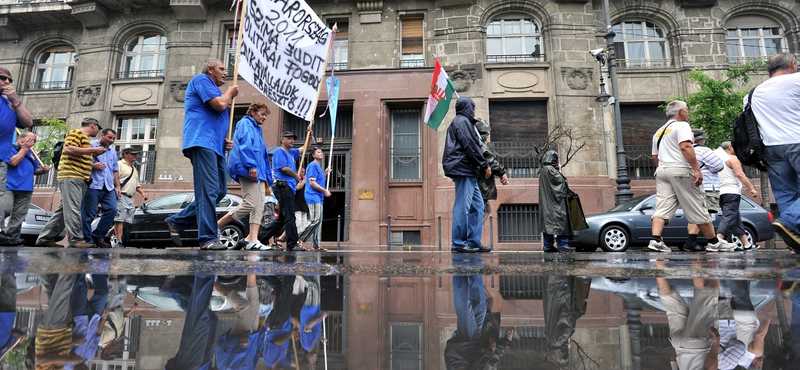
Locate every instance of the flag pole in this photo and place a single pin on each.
(325, 343)
(236, 63)
(314, 106)
(333, 132)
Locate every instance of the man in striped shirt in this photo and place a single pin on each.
(74, 175)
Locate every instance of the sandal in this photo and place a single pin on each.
(319, 249)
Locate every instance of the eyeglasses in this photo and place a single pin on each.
(6, 78)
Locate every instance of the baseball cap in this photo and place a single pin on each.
(699, 134)
(89, 121)
(288, 134)
(131, 151)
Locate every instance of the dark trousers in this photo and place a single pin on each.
(285, 221)
(108, 200)
(81, 305)
(199, 329)
(731, 222)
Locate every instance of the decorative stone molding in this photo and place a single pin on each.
(369, 6)
(91, 14)
(697, 3)
(452, 3)
(87, 95)
(577, 78)
(7, 33)
(138, 95)
(178, 90)
(462, 79)
(572, 1)
(189, 10)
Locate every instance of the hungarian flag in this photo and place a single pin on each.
(442, 89)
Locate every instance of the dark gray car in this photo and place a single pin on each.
(629, 224)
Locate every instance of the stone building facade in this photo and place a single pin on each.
(524, 62)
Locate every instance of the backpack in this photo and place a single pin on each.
(58, 149)
(747, 143)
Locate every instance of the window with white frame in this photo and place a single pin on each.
(144, 56)
(513, 37)
(406, 145)
(753, 37)
(53, 69)
(340, 45)
(411, 43)
(230, 49)
(140, 133)
(640, 44)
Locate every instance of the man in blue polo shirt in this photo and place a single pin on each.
(19, 188)
(286, 178)
(104, 189)
(205, 125)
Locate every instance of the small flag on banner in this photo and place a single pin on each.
(333, 99)
(442, 89)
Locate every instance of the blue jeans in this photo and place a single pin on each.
(562, 241)
(467, 213)
(108, 200)
(81, 306)
(210, 186)
(199, 328)
(470, 304)
(784, 177)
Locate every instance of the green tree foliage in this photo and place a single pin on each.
(51, 132)
(717, 102)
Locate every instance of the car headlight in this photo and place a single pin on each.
(41, 218)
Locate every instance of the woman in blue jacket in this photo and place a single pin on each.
(248, 164)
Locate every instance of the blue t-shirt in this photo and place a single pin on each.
(307, 313)
(104, 179)
(204, 126)
(314, 171)
(273, 353)
(6, 325)
(20, 177)
(281, 158)
(8, 122)
(232, 356)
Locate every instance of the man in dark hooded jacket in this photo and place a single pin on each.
(556, 221)
(463, 162)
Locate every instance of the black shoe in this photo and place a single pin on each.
(214, 246)
(102, 244)
(295, 248)
(483, 249)
(693, 248)
(466, 249)
(566, 249)
(175, 235)
(550, 250)
(788, 235)
(6, 240)
(239, 245)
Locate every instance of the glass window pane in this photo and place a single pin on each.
(40, 75)
(512, 27)
(619, 49)
(493, 28)
(149, 43)
(130, 64)
(733, 48)
(656, 50)
(161, 59)
(772, 46)
(45, 58)
(57, 75)
(134, 45)
(494, 46)
(60, 58)
(527, 26)
(636, 50)
(153, 128)
(732, 33)
(532, 46)
(751, 48)
(513, 45)
(618, 32)
(146, 63)
(629, 30)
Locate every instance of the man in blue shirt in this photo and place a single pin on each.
(286, 178)
(104, 189)
(19, 187)
(205, 125)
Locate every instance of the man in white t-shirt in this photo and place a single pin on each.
(678, 179)
(776, 105)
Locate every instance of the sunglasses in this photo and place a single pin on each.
(6, 78)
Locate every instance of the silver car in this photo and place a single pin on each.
(629, 224)
(34, 223)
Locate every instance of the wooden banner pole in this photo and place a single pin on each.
(236, 63)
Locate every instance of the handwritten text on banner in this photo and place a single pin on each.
(283, 53)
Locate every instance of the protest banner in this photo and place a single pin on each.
(283, 53)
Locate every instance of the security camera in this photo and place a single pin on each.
(596, 52)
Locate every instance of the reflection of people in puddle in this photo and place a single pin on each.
(741, 334)
(564, 303)
(89, 315)
(693, 330)
(197, 338)
(471, 347)
(54, 335)
(9, 336)
(239, 347)
(310, 319)
(111, 337)
(785, 359)
(289, 294)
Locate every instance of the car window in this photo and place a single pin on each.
(173, 201)
(627, 206)
(650, 202)
(743, 204)
(225, 202)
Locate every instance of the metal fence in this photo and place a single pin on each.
(334, 331)
(518, 223)
(518, 157)
(412, 63)
(145, 164)
(141, 74)
(515, 58)
(49, 85)
(644, 63)
(522, 287)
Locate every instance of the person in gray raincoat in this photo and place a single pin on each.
(560, 209)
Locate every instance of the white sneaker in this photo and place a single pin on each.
(257, 246)
(658, 246)
(721, 246)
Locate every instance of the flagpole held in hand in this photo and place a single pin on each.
(319, 90)
(236, 63)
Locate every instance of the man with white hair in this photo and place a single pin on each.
(679, 180)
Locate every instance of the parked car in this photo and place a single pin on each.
(629, 224)
(34, 223)
(148, 228)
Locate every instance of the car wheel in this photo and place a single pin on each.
(748, 233)
(585, 248)
(614, 239)
(230, 235)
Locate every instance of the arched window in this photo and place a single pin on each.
(640, 44)
(513, 37)
(53, 70)
(752, 37)
(144, 56)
